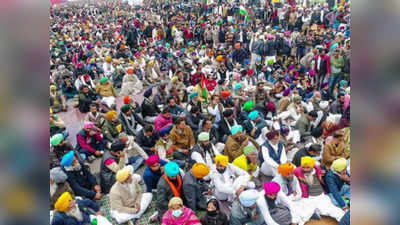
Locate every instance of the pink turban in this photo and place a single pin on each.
(271, 107)
(153, 159)
(270, 37)
(88, 125)
(271, 188)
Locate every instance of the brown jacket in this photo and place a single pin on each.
(234, 148)
(106, 90)
(331, 153)
(122, 200)
(184, 140)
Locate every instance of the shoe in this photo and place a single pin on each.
(153, 218)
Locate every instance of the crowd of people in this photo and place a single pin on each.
(237, 103)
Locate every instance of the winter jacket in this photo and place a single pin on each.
(193, 192)
(84, 143)
(61, 218)
(234, 148)
(332, 152)
(241, 215)
(82, 182)
(106, 90)
(184, 140)
(161, 122)
(298, 172)
(164, 194)
(131, 124)
(151, 178)
(110, 130)
(334, 184)
(124, 201)
(147, 142)
(149, 108)
(248, 126)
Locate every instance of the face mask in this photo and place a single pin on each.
(221, 171)
(177, 213)
(212, 213)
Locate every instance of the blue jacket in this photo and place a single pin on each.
(60, 218)
(82, 182)
(150, 178)
(334, 185)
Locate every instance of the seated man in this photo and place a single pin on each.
(111, 127)
(169, 185)
(106, 90)
(193, 187)
(236, 142)
(175, 110)
(228, 179)
(95, 116)
(194, 120)
(152, 173)
(150, 109)
(212, 132)
(57, 101)
(289, 185)
(245, 210)
(311, 184)
(314, 150)
(333, 149)
(147, 139)
(57, 125)
(131, 123)
(126, 200)
(135, 155)
(111, 162)
(58, 185)
(69, 211)
(89, 141)
(203, 151)
(275, 207)
(338, 183)
(163, 120)
(272, 154)
(225, 125)
(304, 125)
(86, 97)
(60, 146)
(82, 181)
(248, 162)
(182, 139)
(254, 124)
(68, 89)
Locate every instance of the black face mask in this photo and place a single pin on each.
(221, 171)
(212, 213)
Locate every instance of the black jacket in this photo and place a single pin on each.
(82, 182)
(135, 119)
(147, 142)
(107, 176)
(149, 108)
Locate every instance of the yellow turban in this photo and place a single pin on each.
(307, 161)
(200, 170)
(62, 203)
(286, 168)
(339, 164)
(221, 160)
(151, 63)
(124, 173)
(175, 201)
(108, 59)
(110, 114)
(174, 79)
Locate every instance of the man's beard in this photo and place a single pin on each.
(53, 188)
(77, 167)
(76, 213)
(206, 147)
(309, 177)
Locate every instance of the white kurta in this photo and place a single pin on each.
(269, 167)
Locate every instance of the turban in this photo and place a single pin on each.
(250, 72)
(200, 170)
(153, 159)
(57, 175)
(238, 86)
(193, 95)
(56, 139)
(203, 136)
(137, 54)
(126, 99)
(248, 105)
(297, 98)
(225, 94)
(258, 58)
(110, 114)
(271, 134)
(270, 37)
(343, 83)
(323, 104)
(249, 197)
(237, 45)
(249, 149)
(62, 203)
(165, 131)
(286, 168)
(221, 160)
(236, 129)
(53, 88)
(339, 164)
(148, 92)
(203, 47)
(286, 92)
(130, 70)
(124, 173)
(307, 161)
(88, 125)
(67, 159)
(271, 188)
(175, 201)
(220, 58)
(271, 107)
(253, 115)
(323, 85)
(228, 113)
(167, 45)
(103, 80)
(117, 146)
(174, 79)
(169, 55)
(171, 169)
(151, 63)
(108, 58)
(125, 108)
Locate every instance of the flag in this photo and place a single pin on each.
(204, 92)
(242, 11)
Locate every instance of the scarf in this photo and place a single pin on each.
(188, 217)
(175, 190)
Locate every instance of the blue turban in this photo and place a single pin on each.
(248, 197)
(343, 83)
(253, 115)
(308, 96)
(67, 159)
(238, 86)
(236, 129)
(148, 92)
(165, 131)
(193, 95)
(171, 169)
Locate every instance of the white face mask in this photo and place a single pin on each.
(177, 213)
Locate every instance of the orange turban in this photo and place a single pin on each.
(237, 45)
(286, 168)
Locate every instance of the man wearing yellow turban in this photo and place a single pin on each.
(338, 183)
(192, 187)
(312, 188)
(112, 127)
(229, 180)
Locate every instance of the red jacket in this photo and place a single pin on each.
(298, 172)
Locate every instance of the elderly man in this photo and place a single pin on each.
(312, 188)
(69, 211)
(273, 154)
(58, 185)
(127, 202)
(203, 151)
(236, 142)
(228, 179)
(338, 183)
(182, 139)
(82, 181)
(245, 210)
(193, 187)
(289, 184)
